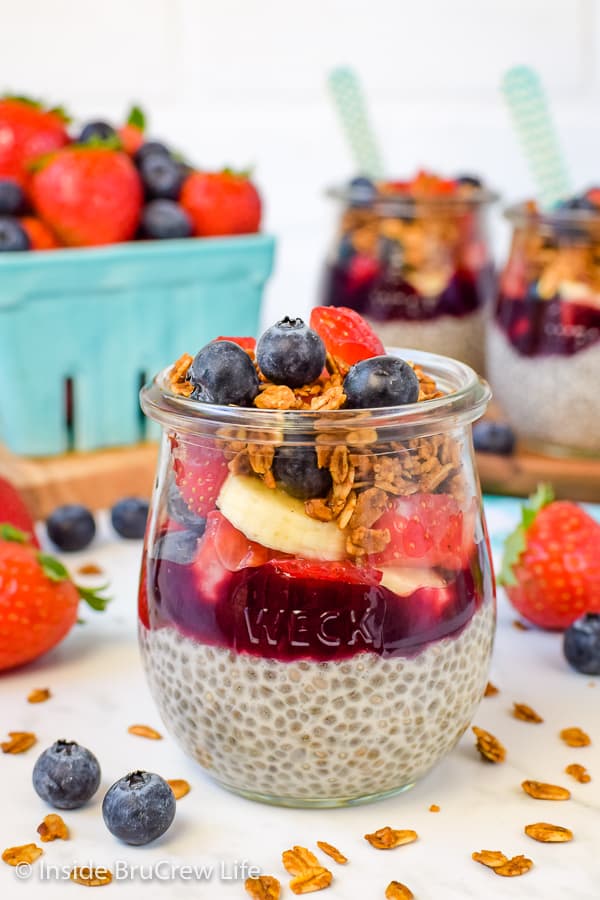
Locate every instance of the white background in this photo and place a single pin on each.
(243, 82)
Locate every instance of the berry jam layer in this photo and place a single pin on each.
(289, 609)
(559, 326)
(547, 399)
(329, 731)
(374, 292)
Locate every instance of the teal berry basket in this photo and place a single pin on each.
(82, 330)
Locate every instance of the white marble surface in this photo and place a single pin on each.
(99, 690)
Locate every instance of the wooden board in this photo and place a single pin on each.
(519, 475)
(96, 479)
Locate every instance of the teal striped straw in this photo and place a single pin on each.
(352, 110)
(524, 94)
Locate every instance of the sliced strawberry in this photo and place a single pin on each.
(246, 343)
(342, 572)
(345, 333)
(426, 530)
(231, 546)
(199, 475)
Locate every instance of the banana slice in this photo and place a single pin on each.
(274, 519)
(404, 581)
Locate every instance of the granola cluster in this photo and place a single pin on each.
(366, 474)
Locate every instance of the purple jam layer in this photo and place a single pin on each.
(384, 297)
(265, 612)
(556, 327)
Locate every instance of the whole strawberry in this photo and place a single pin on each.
(88, 195)
(27, 131)
(551, 565)
(14, 512)
(38, 600)
(221, 203)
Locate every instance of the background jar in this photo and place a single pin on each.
(419, 270)
(544, 338)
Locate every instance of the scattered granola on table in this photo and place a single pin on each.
(525, 713)
(489, 746)
(434, 808)
(575, 737)
(333, 852)
(539, 790)
(388, 838)
(53, 828)
(310, 880)
(91, 877)
(145, 731)
(490, 690)
(264, 887)
(19, 742)
(548, 834)
(39, 695)
(579, 773)
(179, 786)
(398, 891)
(27, 853)
(518, 865)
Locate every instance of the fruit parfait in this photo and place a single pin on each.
(544, 339)
(316, 602)
(412, 257)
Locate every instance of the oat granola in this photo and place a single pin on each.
(91, 877)
(489, 746)
(19, 742)
(548, 834)
(333, 852)
(179, 786)
(579, 773)
(265, 887)
(310, 880)
(525, 713)
(145, 731)
(575, 737)
(388, 838)
(27, 853)
(53, 828)
(539, 790)
(398, 891)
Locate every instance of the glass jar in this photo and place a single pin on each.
(419, 270)
(544, 339)
(302, 659)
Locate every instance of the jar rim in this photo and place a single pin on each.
(521, 214)
(466, 398)
(409, 205)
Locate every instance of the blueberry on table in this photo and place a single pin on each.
(178, 547)
(380, 381)
(12, 198)
(296, 469)
(493, 437)
(179, 511)
(66, 775)
(291, 353)
(13, 236)
(139, 808)
(71, 527)
(164, 220)
(471, 180)
(96, 131)
(151, 148)
(162, 176)
(129, 516)
(582, 644)
(222, 372)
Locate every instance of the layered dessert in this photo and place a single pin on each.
(544, 340)
(412, 258)
(316, 602)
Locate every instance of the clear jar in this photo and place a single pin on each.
(544, 339)
(419, 270)
(312, 662)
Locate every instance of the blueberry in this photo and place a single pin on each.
(164, 220)
(177, 547)
(139, 808)
(13, 236)
(582, 644)
(291, 353)
(471, 180)
(346, 249)
(179, 511)
(380, 381)
(493, 437)
(151, 148)
(223, 373)
(12, 198)
(129, 516)
(66, 775)
(96, 131)
(296, 469)
(162, 176)
(71, 527)
(362, 191)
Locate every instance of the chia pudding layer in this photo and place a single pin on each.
(307, 731)
(461, 337)
(548, 399)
